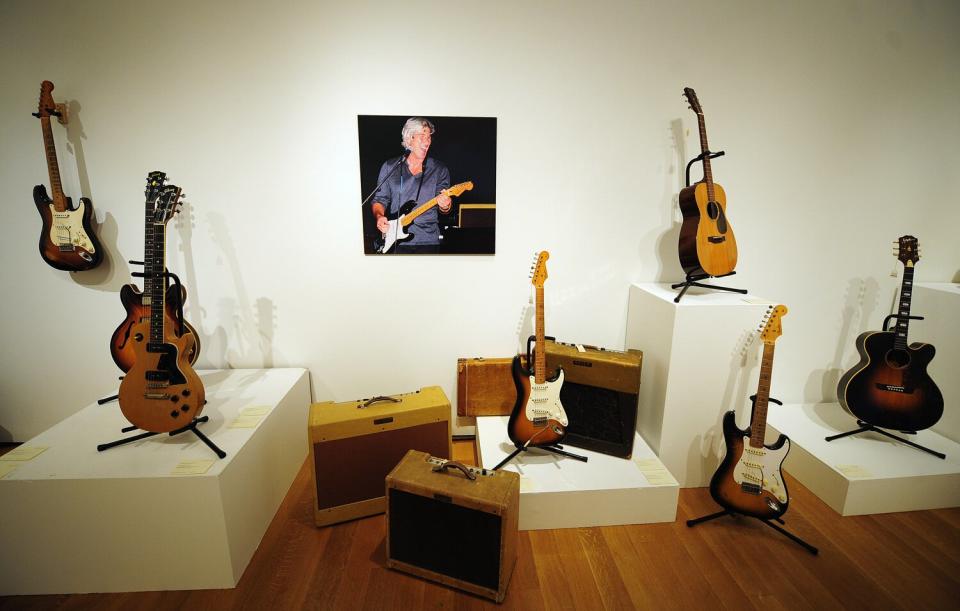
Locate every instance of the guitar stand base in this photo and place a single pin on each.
(783, 531)
(694, 280)
(865, 427)
(190, 427)
(555, 449)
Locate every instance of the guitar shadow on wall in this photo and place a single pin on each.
(113, 271)
(668, 259)
(860, 300)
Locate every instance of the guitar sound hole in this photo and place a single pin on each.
(898, 359)
(713, 210)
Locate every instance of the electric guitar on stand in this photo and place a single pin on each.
(67, 240)
(707, 246)
(538, 418)
(749, 481)
(406, 215)
(137, 304)
(161, 392)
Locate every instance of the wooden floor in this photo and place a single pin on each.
(891, 561)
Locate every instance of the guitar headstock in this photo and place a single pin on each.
(456, 190)
(908, 250)
(155, 181)
(771, 324)
(691, 96)
(539, 269)
(46, 105)
(168, 204)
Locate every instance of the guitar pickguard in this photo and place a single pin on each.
(544, 402)
(759, 470)
(66, 230)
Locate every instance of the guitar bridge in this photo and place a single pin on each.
(66, 247)
(751, 488)
(894, 388)
(717, 239)
(539, 422)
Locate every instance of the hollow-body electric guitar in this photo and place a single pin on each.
(161, 392)
(137, 304)
(538, 418)
(749, 481)
(407, 213)
(890, 386)
(706, 244)
(67, 240)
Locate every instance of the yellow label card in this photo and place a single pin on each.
(23, 453)
(245, 421)
(7, 468)
(259, 410)
(853, 471)
(193, 467)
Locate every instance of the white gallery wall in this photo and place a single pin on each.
(839, 120)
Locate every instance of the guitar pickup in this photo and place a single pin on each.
(156, 395)
(717, 239)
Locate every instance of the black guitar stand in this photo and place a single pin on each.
(553, 448)
(867, 427)
(190, 427)
(694, 279)
(167, 275)
(771, 523)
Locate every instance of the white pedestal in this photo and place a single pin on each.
(695, 368)
(939, 304)
(865, 473)
(560, 492)
(79, 520)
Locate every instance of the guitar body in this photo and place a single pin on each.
(161, 392)
(67, 241)
(890, 388)
(749, 481)
(537, 418)
(707, 244)
(121, 344)
(385, 242)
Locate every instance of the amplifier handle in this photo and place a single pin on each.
(370, 402)
(455, 465)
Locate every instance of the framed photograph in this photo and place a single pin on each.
(429, 184)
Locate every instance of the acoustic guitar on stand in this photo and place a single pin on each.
(707, 246)
(137, 304)
(67, 241)
(538, 418)
(749, 481)
(890, 387)
(409, 211)
(161, 392)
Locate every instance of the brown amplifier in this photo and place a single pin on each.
(599, 394)
(355, 444)
(453, 524)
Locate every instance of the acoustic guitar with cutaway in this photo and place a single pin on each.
(890, 387)
(707, 246)
(67, 240)
(161, 392)
(137, 304)
(749, 480)
(538, 418)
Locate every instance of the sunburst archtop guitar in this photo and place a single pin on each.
(706, 245)
(538, 418)
(749, 480)
(67, 240)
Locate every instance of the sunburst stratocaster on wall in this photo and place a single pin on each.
(406, 215)
(890, 387)
(707, 245)
(137, 304)
(749, 481)
(161, 392)
(67, 240)
(537, 418)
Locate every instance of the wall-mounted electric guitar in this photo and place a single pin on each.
(161, 392)
(537, 418)
(749, 481)
(890, 387)
(707, 245)
(137, 304)
(67, 240)
(406, 215)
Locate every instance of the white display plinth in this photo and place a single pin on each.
(939, 304)
(79, 520)
(560, 492)
(865, 473)
(695, 368)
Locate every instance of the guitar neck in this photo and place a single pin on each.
(154, 266)
(418, 211)
(59, 202)
(903, 312)
(540, 354)
(758, 420)
(705, 149)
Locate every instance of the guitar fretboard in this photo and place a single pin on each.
(540, 356)
(758, 420)
(153, 265)
(903, 311)
(53, 169)
(704, 148)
